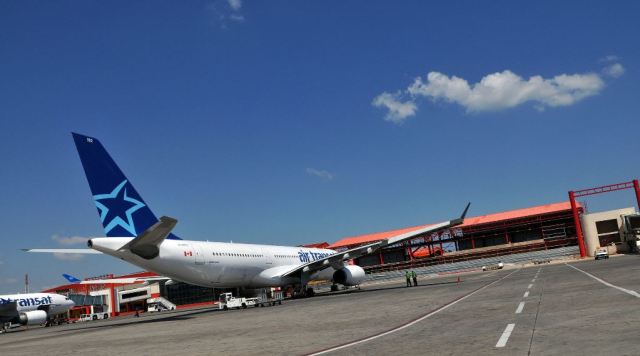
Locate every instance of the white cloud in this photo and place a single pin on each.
(614, 70)
(506, 90)
(71, 240)
(398, 111)
(235, 4)
(68, 256)
(497, 91)
(226, 11)
(609, 58)
(236, 17)
(320, 173)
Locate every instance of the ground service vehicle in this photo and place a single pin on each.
(267, 297)
(96, 316)
(601, 253)
(228, 301)
(271, 297)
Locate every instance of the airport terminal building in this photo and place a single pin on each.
(521, 230)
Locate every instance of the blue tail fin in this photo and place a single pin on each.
(70, 278)
(122, 211)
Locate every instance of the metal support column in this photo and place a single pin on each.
(636, 187)
(576, 220)
(407, 247)
(112, 291)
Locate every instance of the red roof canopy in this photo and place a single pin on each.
(84, 288)
(470, 221)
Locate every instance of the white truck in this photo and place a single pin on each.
(94, 316)
(228, 301)
(631, 231)
(500, 265)
(601, 253)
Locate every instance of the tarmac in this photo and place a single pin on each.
(574, 308)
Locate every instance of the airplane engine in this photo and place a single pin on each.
(34, 317)
(349, 275)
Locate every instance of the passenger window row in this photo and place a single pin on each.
(237, 254)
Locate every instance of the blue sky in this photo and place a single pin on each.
(295, 122)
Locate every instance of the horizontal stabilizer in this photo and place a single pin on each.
(146, 245)
(63, 250)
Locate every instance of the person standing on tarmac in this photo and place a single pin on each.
(408, 277)
(415, 278)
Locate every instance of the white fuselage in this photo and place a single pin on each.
(219, 264)
(53, 304)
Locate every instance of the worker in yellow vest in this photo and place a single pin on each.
(415, 278)
(407, 275)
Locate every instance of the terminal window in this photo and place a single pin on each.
(608, 231)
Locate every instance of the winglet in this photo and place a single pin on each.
(464, 213)
(460, 220)
(70, 278)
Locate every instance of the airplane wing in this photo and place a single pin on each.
(337, 260)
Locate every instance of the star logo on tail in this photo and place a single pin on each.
(117, 208)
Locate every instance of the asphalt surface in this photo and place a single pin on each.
(564, 312)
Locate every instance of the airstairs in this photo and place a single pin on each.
(162, 303)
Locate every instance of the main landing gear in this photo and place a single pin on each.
(303, 292)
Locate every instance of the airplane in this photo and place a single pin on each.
(32, 308)
(135, 235)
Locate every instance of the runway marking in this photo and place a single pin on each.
(502, 342)
(530, 285)
(533, 280)
(520, 307)
(628, 291)
(411, 322)
(526, 294)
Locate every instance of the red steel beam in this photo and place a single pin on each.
(636, 187)
(597, 190)
(576, 220)
(113, 299)
(604, 189)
